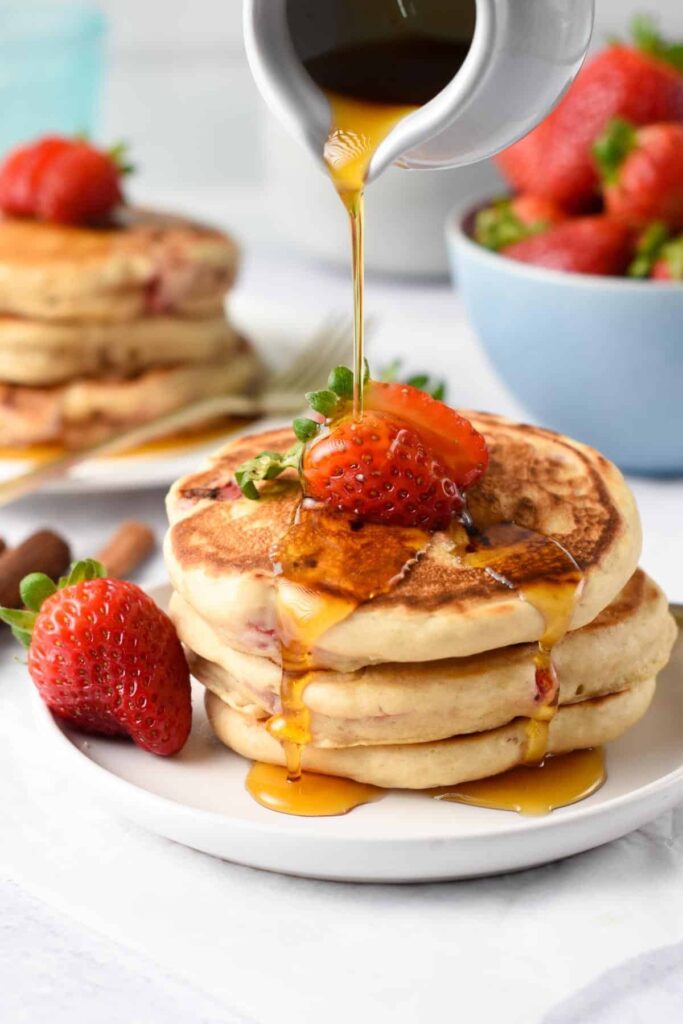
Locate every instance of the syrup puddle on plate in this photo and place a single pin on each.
(534, 790)
(309, 795)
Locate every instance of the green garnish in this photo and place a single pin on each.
(499, 226)
(613, 146)
(36, 588)
(647, 39)
(649, 249)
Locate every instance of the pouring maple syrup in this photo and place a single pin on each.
(370, 87)
(326, 564)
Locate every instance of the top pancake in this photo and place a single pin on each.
(146, 263)
(218, 553)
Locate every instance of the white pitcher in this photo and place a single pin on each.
(522, 57)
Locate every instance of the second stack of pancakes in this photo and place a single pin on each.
(105, 328)
(433, 683)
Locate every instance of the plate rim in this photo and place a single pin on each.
(521, 824)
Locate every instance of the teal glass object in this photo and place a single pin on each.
(51, 58)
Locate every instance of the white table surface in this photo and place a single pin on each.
(103, 922)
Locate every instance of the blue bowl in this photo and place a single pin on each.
(597, 358)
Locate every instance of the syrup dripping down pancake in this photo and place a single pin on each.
(447, 762)
(629, 642)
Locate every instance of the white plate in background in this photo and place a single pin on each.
(198, 799)
(277, 333)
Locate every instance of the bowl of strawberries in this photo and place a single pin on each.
(574, 281)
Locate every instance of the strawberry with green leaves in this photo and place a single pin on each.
(104, 657)
(406, 462)
(641, 82)
(508, 221)
(642, 172)
(62, 180)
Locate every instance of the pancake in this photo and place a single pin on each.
(85, 411)
(146, 263)
(413, 703)
(37, 353)
(218, 553)
(448, 761)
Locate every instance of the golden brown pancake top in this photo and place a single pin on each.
(536, 478)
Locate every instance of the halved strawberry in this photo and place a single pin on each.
(461, 448)
(404, 463)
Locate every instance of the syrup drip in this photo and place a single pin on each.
(327, 564)
(534, 789)
(511, 554)
(357, 128)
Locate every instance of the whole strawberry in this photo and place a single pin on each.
(66, 181)
(582, 245)
(404, 463)
(642, 172)
(105, 658)
(641, 83)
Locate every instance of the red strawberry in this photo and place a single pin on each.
(461, 448)
(22, 172)
(404, 463)
(640, 84)
(510, 220)
(583, 245)
(105, 658)
(79, 186)
(62, 180)
(642, 172)
(380, 470)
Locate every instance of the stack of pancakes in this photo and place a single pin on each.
(433, 683)
(105, 328)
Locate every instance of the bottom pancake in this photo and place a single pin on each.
(446, 762)
(88, 410)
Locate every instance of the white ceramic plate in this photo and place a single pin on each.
(198, 799)
(275, 332)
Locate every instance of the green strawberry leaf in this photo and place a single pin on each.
(340, 381)
(36, 588)
(266, 466)
(613, 146)
(323, 402)
(648, 250)
(305, 429)
(86, 569)
(648, 40)
(498, 226)
(672, 252)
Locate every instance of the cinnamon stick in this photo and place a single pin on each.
(128, 547)
(43, 551)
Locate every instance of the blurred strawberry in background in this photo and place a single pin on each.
(640, 82)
